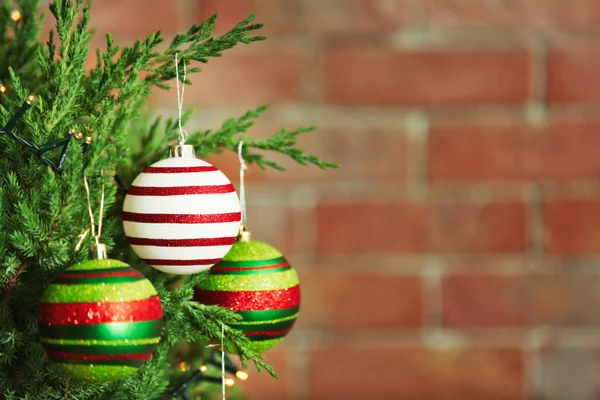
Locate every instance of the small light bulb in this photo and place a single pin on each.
(31, 99)
(242, 375)
(15, 15)
(183, 366)
(88, 140)
(2, 88)
(229, 382)
(203, 368)
(78, 135)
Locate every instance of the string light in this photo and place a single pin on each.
(242, 375)
(229, 382)
(31, 99)
(203, 368)
(2, 88)
(15, 15)
(183, 366)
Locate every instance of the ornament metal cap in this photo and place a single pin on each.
(182, 151)
(244, 235)
(98, 251)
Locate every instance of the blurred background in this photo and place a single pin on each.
(456, 253)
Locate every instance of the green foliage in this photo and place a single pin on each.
(43, 214)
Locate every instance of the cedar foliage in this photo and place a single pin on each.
(42, 213)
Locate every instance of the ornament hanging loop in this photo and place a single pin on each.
(182, 133)
(97, 250)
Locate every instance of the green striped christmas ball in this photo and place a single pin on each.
(256, 281)
(100, 320)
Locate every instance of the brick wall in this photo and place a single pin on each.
(455, 256)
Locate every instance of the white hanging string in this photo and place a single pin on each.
(223, 357)
(182, 132)
(92, 222)
(243, 169)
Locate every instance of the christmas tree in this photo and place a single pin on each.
(72, 139)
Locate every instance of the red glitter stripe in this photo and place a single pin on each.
(179, 190)
(231, 269)
(178, 170)
(181, 242)
(269, 333)
(100, 312)
(209, 261)
(181, 218)
(251, 301)
(72, 275)
(100, 356)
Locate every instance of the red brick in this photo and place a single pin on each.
(422, 227)
(572, 74)
(339, 301)
(277, 15)
(250, 79)
(561, 151)
(135, 17)
(376, 372)
(572, 226)
(359, 16)
(513, 13)
(261, 386)
(371, 154)
(482, 300)
(363, 76)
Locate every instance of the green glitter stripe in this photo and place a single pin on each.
(254, 263)
(233, 283)
(99, 373)
(115, 331)
(82, 342)
(264, 345)
(251, 271)
(266, 326)
(252, 251)
(88, 293)
(115, 270)
(98, 265)
(268, 315)
(109, 280)
(111, 349)
(131, 363)
(267, 321)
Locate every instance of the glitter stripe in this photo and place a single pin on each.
(98, 350)
(101, 266)
(269, 334)
(265, 327)
(248, 270)
(98, 357)
(267, 315)
(250, 301)
(254, 263)
(90, 342)
(264, 344)
(96, 274)
(110, 280)
(178, 190)
(100, 373)
(277, 280)
(178, 170)
(95, 363)
(266, 320)
(100, 312)
(88, 293)
(220, 241)
(181, 218)
(112, 331)
(209, 261)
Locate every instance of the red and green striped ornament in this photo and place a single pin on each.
(256, 281)
(100, 320)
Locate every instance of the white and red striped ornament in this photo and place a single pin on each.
(181, 215)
